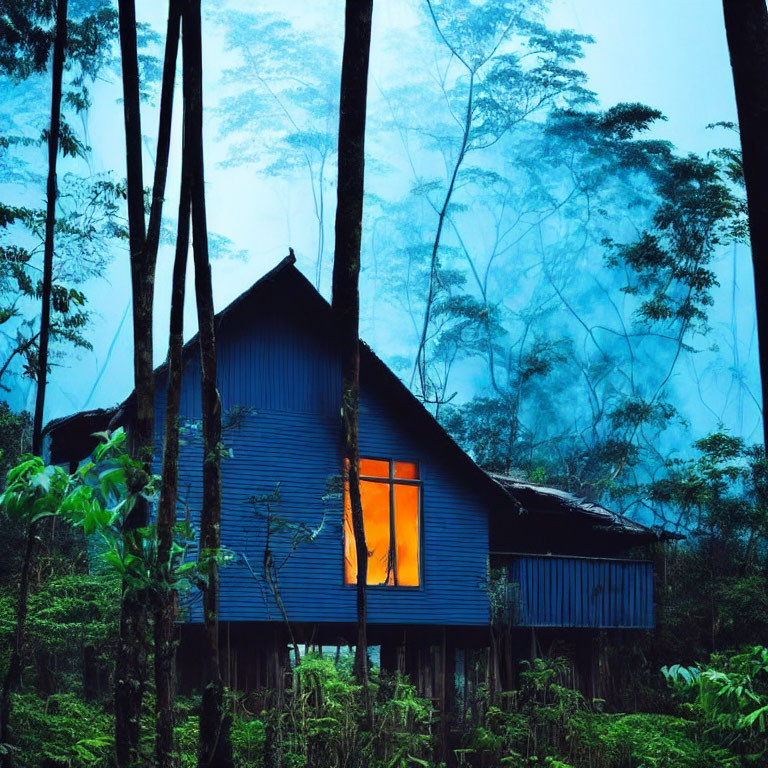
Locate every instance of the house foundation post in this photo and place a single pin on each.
(388, 658)
(447, 695)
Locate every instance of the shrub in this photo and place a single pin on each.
(61, 730)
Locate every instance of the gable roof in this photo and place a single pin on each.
(67, 435)
(70, 438)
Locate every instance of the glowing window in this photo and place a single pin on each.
(391, 494)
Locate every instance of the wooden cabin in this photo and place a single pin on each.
(456, 554)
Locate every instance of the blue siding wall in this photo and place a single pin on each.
(581, 592)
(284, 368)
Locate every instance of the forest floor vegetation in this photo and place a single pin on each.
(321, 723)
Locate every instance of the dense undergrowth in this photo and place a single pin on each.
(706, 716)
(321, 723)
(711, 711)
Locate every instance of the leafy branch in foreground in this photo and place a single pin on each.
(97, 498)
(730, 694)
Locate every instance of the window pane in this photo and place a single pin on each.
(374, 468)
(407, 534)
(376, 517)
(407, 470)
(350, 553)
(375, 498)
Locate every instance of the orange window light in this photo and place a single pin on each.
(374, 468)
(388, 505)
(407, 534)
(406, 470)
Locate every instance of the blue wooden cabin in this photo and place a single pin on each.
(441, 530)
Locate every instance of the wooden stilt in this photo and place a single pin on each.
(388, 658)
(401, 658)
(447, 694)
(508, 684)
(465, 684)
(228, 665)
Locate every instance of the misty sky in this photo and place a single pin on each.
(670, 55)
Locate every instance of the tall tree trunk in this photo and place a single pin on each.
(13, 674)
(130, 663)
(130, 666)
(346, 271)
(167, 610)
(50, 224)
(215, 747)
(164, 129)
(746, 26)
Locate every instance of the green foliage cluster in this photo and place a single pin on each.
(73, 611)
(323, 720)
(595, 739)
(548, 724)
(61, 730)
(15, 438)
(730, 694)
(248, 738)
(15, 430)
(714, 594)
(321, 723)
(71, 631)
(97, 499)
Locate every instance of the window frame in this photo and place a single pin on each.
(391, 480)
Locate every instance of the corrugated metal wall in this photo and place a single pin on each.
(284, 367)
(581, 592)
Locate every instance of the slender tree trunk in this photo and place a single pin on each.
(215, 745)
(420, 364)
(164, 129)
(131, 661)
(12, 677)
(50, 224)
(167, 610)
(746, 26)
(346, 271)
